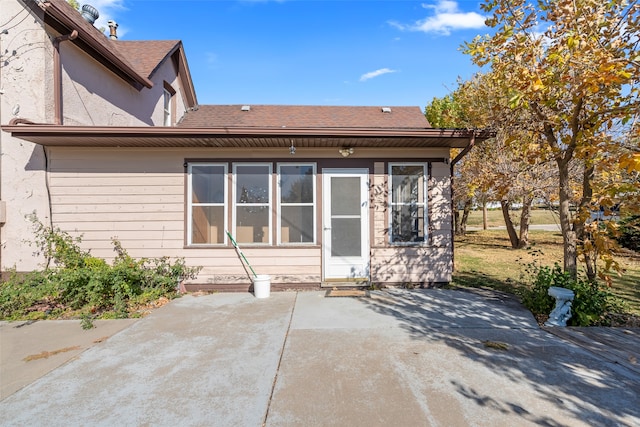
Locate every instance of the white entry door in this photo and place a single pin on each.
(345, 240)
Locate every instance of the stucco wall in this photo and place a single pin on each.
(26, 83)
(91, 95)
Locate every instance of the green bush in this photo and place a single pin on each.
(536, 297)
(75, 280)
(590, 304)
(630, 233)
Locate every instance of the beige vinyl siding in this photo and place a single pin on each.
(440, 197)
(379, 196)
(137, 196)
(411, 265)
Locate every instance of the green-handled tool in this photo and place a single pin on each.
(240, 254)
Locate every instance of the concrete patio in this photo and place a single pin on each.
(402, 358)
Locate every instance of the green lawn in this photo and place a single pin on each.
(495, 218)
(484, 258)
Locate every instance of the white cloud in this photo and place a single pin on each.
(446, 17)
(376, 73)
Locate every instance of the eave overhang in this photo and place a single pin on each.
(96, 136)
(89, 40)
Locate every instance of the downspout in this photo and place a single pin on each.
(57, 74)
(58, 113)
(472, 142)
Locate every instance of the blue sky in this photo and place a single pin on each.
(310, 52)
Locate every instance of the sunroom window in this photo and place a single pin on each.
(296, 200)
(206, 204)
(408, 194)
(252, 202)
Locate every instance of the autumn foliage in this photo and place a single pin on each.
(566, 80)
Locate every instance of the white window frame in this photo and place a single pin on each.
(425, 190)
(167, 121)
(269, 205)
(312, 204)
(190, 203)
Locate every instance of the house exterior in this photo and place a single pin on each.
(314, 195)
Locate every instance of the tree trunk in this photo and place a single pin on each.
(465, 217)
(568, 233)
(525, 217)
(456, 221)
(484, 215)
(511, 230)
(590, 258)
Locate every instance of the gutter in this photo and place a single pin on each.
(23, 127)
(92, 41)
(464, 152)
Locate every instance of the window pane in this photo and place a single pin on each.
(297, 224)
(207, 183)
(252, 224)
(345, 237)
(207, 224)
(252, 184)
(407, 184)
(408, 223)
(345, 196)
(296, 184)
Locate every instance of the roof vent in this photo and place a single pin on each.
(246, 108)
(386, 109)
(90, 13)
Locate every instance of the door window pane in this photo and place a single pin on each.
(345, 196)
(346, 236)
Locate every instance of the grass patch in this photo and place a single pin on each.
(484, 258)
(495, 218)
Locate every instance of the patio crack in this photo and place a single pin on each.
(275, 377)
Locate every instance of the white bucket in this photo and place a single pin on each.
(262, 286)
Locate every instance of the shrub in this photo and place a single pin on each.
(630, 233)
(79, 281)
(536, 297)
(590, 304)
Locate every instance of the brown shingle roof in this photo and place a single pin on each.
(302, 116)
(146, 55)
(133, 60)
(64, 18)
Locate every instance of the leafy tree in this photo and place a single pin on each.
(570, 70)
(507, 172)
(448, 112)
